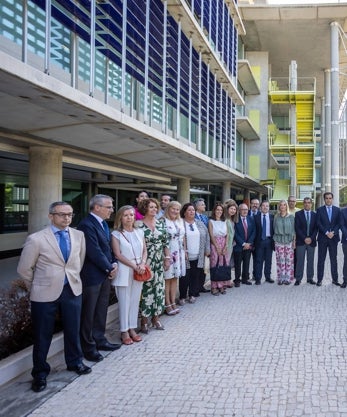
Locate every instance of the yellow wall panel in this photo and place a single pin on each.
(254, 166)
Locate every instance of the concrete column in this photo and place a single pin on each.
(335, 140)
(226, 190)
(183, 190)
(327, 131)
(247, 197)
(322, 170)
(45, 183)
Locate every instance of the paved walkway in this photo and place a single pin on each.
(269, 350)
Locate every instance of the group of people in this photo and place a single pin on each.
(72, 270)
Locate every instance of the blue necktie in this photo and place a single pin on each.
(106, 228)
(329, 213)
(308, 223)
(263, 231)
(63, 245)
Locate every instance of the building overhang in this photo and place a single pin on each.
(245, 128)
(246, 78)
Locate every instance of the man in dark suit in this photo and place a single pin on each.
(306, 234)
(344, 245)
(50, 265)
(253, 211)
(98, 270)
(263, 243)
(328, 223)
(244, 243)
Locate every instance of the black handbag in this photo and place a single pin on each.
(220, 272)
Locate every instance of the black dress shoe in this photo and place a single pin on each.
(297, 282)
(343, 285)
(236, 284)
(257, 282)
(270, 280)
(319, 284)
(246, 283)
(80, 369)
(204, 290)
(39, 384)
(336, 283)
(109, 346)
(311, 281)
(94, 357)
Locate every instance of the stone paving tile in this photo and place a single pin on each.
(266, 350)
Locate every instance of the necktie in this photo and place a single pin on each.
(307, 223)
(106, 228)
(63, 245)
(263, 231)
(329, 213)
(245, 227)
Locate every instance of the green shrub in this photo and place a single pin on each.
(15, 321)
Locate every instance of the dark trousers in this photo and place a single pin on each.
(191, 281)
(202, 279)
(43, 318)
(344, 249)
(263, 257)
(95, 300)
(242, 260)
(301, 251)
(323, 246)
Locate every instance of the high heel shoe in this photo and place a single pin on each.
(169, 310)
(134, 336)
(157, 325)
(144, 325)
(175, 309)
(126, 339)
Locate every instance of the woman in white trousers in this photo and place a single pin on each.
(129, 248)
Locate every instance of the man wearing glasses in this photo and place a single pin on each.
(98, 270)
(50, 264)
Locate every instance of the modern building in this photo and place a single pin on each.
(111, 96)
(303, 49)
(170, 96)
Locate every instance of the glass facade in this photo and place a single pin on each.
(152, 72)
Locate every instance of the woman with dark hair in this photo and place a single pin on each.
(197, 247)
(231, 213)
(220, 255)
(158, 258)
(129, 248)
(141, 195)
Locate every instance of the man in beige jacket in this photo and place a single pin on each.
(50, 264)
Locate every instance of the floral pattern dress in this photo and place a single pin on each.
(153, 291)
(176, 233)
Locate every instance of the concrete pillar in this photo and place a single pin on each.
(226, 190)
(335, 139)
(247, 197)
(183, 190)
(45, 183)
(293, 81)
(327, 131)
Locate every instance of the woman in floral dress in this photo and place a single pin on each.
(158, 258)
(175, 228)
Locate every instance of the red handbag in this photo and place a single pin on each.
(146, 276)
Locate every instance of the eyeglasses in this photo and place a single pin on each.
(107, 207)
(61, 215)
(191, 227)
(291, 201)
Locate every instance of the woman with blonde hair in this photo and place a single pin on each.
(284, 237)
(176, 232)
(129, 248)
